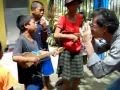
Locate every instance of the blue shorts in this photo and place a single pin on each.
(46, 67)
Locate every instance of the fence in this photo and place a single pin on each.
(115, 6)
(56, 8)
(87, 7)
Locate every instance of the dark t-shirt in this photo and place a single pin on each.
(24, 45)
(41, 36)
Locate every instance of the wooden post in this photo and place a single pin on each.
(3, 38)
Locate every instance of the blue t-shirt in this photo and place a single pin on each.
(41, 36)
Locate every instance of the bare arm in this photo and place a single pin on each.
(99, 67)
(58, 34)
(20, 58)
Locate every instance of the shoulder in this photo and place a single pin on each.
(3, 71)
(7, 79)
(80, 16)
(20, 39)
(61, 18)
(61, 22)
(79, 19)
(113, 53)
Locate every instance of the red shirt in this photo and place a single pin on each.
(65, 24)
(70, 27)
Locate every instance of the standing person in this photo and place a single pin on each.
(43, 31)
(7, 81)
(106, 26)
(70, 64)
(28, 76)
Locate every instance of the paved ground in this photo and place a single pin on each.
(89, 82)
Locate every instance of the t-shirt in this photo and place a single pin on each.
(41, 36)
(6, 79)
(67, 26)
(70, 27)
(24, 45)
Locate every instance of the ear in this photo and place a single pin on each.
(105, 31)
(32, 11)
(26, 26)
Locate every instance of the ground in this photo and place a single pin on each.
(89, 82)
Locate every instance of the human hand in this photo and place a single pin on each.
(43, 51)
(37, 57)
(86, 32)
(77, 34)
(55, 53)
(34, 60)
(73, 37)
(43, 22)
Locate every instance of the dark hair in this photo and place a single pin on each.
(106, 18)
(68, 2)
(36, 4)
(23, 20)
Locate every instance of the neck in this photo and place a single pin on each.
(72, 17)
(71, 14)
(36, 18)
(28, 36)
(108, 37)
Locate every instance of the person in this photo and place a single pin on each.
(7, 81)
(105, 25)
(29, 76)
(70, 64)
(41, 35)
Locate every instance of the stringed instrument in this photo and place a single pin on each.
(40, 55)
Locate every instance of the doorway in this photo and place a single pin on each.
(12, 9)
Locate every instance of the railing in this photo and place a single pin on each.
(56, 8)
(115, 6)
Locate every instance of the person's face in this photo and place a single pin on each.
(97, 31)
(38, 12)
(31, 26)
(72, 8)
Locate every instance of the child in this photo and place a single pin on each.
(40, 36)
(25, 43)
(70, 64)
(7, 81)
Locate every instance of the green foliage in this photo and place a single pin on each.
(51, 40)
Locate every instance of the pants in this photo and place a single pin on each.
(115, 85)
(36, 84)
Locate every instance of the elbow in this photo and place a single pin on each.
(98, 76)
(97, 72)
